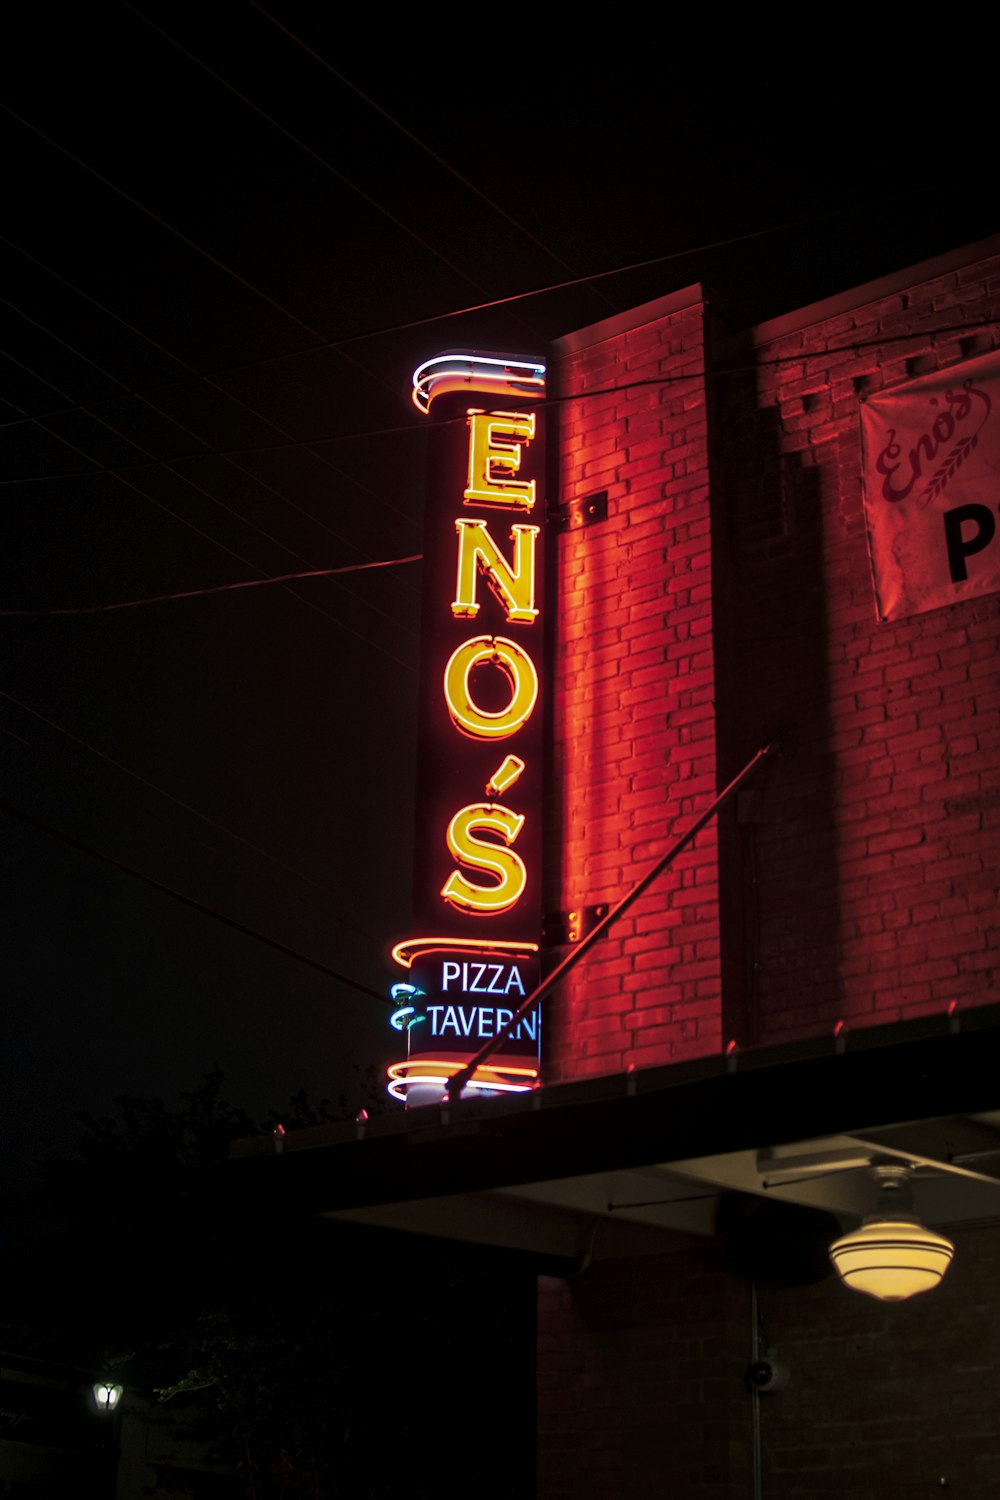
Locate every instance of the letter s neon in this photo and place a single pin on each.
(495, 859)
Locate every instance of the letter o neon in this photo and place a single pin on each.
(517, 667)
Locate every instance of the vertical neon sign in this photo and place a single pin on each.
(479, 773)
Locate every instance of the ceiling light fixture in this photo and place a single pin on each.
(892, 1256)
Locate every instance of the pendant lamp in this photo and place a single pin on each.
(892, 1256)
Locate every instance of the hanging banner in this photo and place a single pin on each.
(931, 472)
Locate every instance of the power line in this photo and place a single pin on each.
(79, 292)
(358, 634)
(423, 146)
(798, 356)
(176, 422)
(150, 213)
(321, 161)
(120, 475)
(189, 901)
(185, 806)
(185, 239)
(241, 468)
(221, 588)
(25, 419)
(205, 379)
(329, 345)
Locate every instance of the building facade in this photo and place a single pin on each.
(728, 602)
(743, 560)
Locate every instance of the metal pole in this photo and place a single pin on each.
(458, 1081)
(758, 1471)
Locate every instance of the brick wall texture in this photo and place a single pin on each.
(886, 1401)
(640, 1381)
(727, 600)
(642, 1391)
(634, 717)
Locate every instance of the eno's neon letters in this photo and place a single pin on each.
(484, 863)
(495, 859)
(519, 670)
(513, 586)
(493, 462)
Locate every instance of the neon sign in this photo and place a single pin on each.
(514, 664)
(483, 854)
(488, 454)
(513, 584)
(479, 775)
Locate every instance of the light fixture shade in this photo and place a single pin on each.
(107, 1395)
(892, 1258)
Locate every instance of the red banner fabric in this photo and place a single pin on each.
(932, 487)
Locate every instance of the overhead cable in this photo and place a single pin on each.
(321, 161)
(330, 911)
(220, 588)
(159, 411)
(189, 901)
(319, 458)
(422, 145)
(206, 452)
(329, 345)
(721, 372)
(179, 234)
(350, 629)
(120, 475)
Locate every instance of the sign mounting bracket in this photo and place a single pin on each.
(576, 514)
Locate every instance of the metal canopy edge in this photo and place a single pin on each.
(402, 1168)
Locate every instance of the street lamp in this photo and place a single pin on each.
(107, 1395)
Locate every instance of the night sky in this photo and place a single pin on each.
(211, 318)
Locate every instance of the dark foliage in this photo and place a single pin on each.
(283, 1339)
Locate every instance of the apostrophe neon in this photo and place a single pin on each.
(505, 775)
(485, 855)
(492, 461)
(513, 587)
(516, 665)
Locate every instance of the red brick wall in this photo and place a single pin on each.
(868, 883)
(887, 1400)
(727, 600)
(640, 1381)
(641, 1384)
(634, 720)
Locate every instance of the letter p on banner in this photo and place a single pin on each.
(931, 472)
